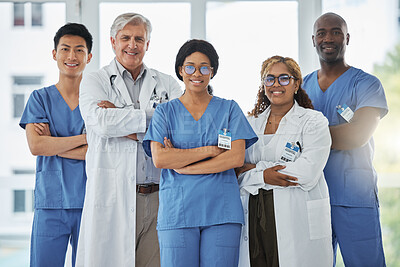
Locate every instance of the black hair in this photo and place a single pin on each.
(193, 46)
(76, 29)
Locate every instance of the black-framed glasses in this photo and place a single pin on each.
(283, 80)
(204, 70)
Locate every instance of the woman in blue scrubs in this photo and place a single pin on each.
(198, 140)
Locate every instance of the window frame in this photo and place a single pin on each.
(87, 12)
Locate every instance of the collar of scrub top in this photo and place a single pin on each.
(292, 117)
(148, 85)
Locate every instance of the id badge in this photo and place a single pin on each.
(224, 139)
(290, 152)
(345, 112)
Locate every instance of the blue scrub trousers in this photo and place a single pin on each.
(358, 233)
(51, 231)
(216, 245)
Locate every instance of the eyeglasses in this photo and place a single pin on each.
(283, 80)
(204, 70)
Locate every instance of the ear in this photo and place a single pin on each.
(112, 43)
(180, 71)
(313, 40)
(147, 45)
(54, 52)
(297, 85)
(347, 38)
(89, 58)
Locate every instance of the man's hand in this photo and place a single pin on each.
(273, 177)
(42, 129)
(132, 136)
(106, 104)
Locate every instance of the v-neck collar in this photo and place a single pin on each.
(332, 84)
(63, 100)
(202, 115)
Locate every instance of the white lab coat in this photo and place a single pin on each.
(302, 213)
(107, 233)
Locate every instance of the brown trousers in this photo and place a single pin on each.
(262, 230)
(147, 248)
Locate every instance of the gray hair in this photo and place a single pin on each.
(130, 18)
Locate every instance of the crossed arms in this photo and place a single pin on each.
(41, 143)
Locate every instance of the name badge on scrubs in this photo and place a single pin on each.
(345, 112)
(290, 152)
(224, 139)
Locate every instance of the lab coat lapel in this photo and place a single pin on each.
(120, 85)
(260, 123)
(149, 83)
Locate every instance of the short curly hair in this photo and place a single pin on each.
(294, 69)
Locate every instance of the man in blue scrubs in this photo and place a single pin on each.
(354, 102)
(54, 130)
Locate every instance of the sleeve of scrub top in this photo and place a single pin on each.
(157, 129)
(110, 122)
(309, 166)
(370, 93)
(240, 127)
(34, 111)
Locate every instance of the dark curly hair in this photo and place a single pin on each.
(294, 69)
(193, 46)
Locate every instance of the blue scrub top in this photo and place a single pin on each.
(350, 176)
(60, 182)
(198, 200)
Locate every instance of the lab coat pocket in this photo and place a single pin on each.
(319, 218)
(104, 187)
(170, 213)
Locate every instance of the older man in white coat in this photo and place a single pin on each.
(117, 103)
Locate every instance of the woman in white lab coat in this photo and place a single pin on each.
(283, 189)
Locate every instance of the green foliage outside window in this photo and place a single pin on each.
(387, 156)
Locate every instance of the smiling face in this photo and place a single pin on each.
(277, 94)
(71, 55)
(196, 82)
(130, 46)
(330, 38)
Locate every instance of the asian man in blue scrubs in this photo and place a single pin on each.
(354, 102)
(55, 133)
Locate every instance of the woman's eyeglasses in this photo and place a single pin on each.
(283, 80)
(204, 70)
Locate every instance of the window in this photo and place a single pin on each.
(22, 87)
(169, 32)
(244, 40)
(19, 16)
(19, 200)
(23, 171)
(34, 13)
(23, 201)
(37, 14)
